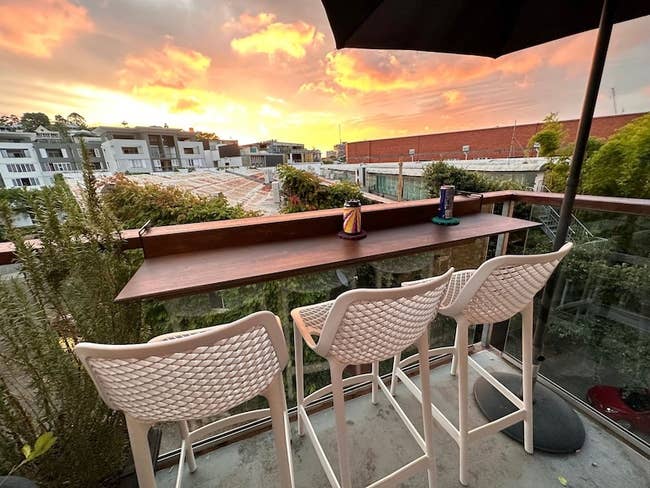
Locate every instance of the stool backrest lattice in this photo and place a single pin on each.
(189, 375)
(367, 325)
(503, 286)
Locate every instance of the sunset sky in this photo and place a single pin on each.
(268, 69)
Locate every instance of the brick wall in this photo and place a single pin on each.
(497, 142)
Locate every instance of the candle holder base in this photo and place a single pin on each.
(352, 237)
(441, 221)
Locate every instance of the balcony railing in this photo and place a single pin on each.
(600, 322)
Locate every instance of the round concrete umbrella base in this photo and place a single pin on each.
(556, 427)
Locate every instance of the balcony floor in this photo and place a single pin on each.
(380, 444)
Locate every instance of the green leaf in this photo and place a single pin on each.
(43, 444)
(563, 481)
(26, 450)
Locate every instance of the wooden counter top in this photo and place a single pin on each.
(195, 272)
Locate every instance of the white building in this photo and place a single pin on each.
(192, 154)
(127, 155)
(19, 165)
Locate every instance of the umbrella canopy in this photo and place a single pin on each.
(484, 28)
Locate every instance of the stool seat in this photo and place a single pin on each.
(498, 290)
(191, 375)
(365, 326)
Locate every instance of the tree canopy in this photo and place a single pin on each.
(550, 137)
(621, 167)
(31, 120)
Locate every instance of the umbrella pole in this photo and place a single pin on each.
(557, 428)
(588, 106)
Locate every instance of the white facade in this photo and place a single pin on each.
(192, 154)
(19, 166)
(130, 155)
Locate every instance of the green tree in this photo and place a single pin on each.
(77, 120)
(31, 120)
(437, 174)
(550, 137)
(621, 167)
(61, 126)
(303, 191)
(12, 121)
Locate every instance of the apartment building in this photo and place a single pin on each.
(19, 164)
(273, 153)
(145, 149)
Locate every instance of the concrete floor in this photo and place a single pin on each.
(380, 444)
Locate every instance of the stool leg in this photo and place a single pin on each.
(375, 382)
(427, 418)
(393, 376)
(300, 380)
(279, 423)
(336, 370)
(463, 400)
(189, 452)
(527, 376)
(454, 358)
(141, 453)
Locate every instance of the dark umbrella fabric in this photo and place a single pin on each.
(489, 28)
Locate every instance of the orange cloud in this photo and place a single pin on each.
(186, 105)
(171, 67)
(37, 28)
(249, 23)
(290, 39)
(384, 72)
(453, 97)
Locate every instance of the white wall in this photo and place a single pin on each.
(197, 159)
(117, 161)
(32, 159)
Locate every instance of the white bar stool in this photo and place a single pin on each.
(360, 327)
(192, 375)
(499, 289)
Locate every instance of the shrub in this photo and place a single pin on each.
(437, 174)
(133, 204)
(303, 191)
(65, 295)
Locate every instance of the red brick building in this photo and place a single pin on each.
(495, 142)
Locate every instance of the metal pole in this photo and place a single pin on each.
(588, 106)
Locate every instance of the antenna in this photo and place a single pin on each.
(512, 139)
(614, 100)
(340, 140)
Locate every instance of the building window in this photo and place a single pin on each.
(20, 168)
(188, 150)
(54, 153)
(130, 150)
(25, 182)
(61, 166)
(14, 153)
(137, 163)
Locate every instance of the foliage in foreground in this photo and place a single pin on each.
(303, 191)
(437, 174)
(134, 204)
(66, 295)
(621, 167)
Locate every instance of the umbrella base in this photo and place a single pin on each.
(556, 427)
